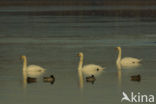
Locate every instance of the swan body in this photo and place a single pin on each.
(127, 61)
(35, 68)
(32, 70)
(90, 69)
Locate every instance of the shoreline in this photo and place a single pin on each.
(118, 12)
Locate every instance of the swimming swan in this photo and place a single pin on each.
(90, 69)
(31, 70)
(127, 61)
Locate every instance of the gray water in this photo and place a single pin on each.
(53, 43)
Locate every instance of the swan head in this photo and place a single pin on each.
(23, 57)
(118, 48)
(80, 54)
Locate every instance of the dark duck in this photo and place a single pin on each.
(136, 78)
(91, 79)
(50, 79)
(31, 80)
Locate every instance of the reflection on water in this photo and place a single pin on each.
(80, 75)
(53, 41)
(24, 79)
(119, 74)
(121, 67)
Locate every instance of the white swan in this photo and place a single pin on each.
(90, 69)
(32, 70)
(127, 61)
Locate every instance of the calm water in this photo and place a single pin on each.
(53, 43)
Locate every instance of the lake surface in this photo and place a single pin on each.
(53, 43)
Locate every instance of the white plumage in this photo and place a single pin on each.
(35, 68)
(32, 70)
(127, 61)
(90, 69)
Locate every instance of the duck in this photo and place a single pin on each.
(31, 80)
(50, 79)
(91, 79)
(127, 61)
(136, 78)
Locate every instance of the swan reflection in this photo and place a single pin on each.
(24, 79)
(119, 74)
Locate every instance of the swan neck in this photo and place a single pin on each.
(24, 63)
(119, 56)
(81, 62)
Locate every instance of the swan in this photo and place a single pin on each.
(127, 61)
(90, 69)
(31, 70)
